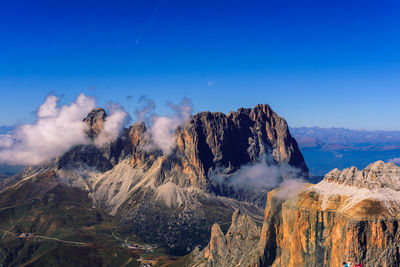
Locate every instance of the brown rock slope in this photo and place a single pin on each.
(351, 216)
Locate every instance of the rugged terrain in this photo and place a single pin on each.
(168, 200)
(351, 215)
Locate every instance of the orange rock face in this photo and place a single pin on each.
(350, 216)
(299, 233)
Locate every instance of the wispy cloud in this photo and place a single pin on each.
(161, 131)
(112, 125)
(146, 110)
(262, 176)
(290, 188)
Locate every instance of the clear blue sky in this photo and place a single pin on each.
(325, 63)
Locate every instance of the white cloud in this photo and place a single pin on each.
(112, 125)
(259, 176)
(263, 176)
(6, 141)
(395, 160)
(146, 111)
(162, 130)
(56, 130)
(290, 188)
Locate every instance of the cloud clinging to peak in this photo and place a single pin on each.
(161, 132)
(55, 131)
(112, 125)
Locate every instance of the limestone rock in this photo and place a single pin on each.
(349, 216)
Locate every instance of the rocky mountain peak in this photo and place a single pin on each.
(213, 140)
(376, 175)
(94, 121)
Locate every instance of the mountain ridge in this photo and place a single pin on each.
(173, 199)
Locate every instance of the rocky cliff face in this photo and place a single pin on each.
(173, 200)
(342, 218)
(351, 215)
(240, 240)
(95, 120)
(215, 141)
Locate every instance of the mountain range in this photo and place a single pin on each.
(223, 190)
(327, 148)
(127, 199)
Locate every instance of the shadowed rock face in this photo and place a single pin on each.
(215, 141)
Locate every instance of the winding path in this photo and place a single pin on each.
(59, 240)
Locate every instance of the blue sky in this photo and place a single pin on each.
(324, 63)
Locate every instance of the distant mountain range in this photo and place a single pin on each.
(327, 148)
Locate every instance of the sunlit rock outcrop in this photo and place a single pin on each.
(352, 215)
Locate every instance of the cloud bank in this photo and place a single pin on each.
(55, 131)
(263, 176)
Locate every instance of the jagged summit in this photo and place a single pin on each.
(95, 120)
(376, 175)
(240, 137)
(373, 192)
